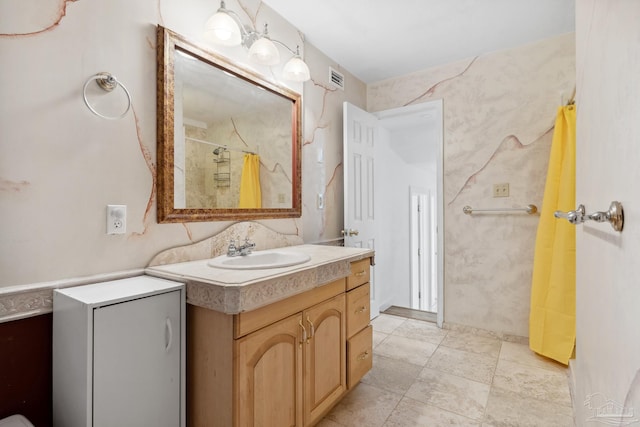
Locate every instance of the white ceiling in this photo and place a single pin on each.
(376, 39)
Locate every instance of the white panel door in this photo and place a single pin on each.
(360, 133)
(136, 375)
(607, 364)
(423, 289)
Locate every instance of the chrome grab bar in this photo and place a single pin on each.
(530, 209)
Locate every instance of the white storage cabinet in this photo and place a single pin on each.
(119, 354)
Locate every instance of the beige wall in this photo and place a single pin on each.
(499, 110)
(323, 131)
(60, 165)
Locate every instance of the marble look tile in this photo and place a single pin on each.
(473, 343)
(365, 405)
(420, 330)
(530, 382)
(391, 374)
(406, 349)
(450, 392)
(328, 423)
(387, 323)
(505, 409)
(472, 366)
(410, 413)
(521, 353)
(378, 337)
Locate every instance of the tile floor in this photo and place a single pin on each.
(425, 376)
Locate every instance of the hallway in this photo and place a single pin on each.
(425, 376)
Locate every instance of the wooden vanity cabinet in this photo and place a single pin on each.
(281, 365)
(290, 372)
(359, 332)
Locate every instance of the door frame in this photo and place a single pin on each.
(426, 109)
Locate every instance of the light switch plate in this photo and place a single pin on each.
(501, 190)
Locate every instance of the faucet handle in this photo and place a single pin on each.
(249, 245)
(232, 250)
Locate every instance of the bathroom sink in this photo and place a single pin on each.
(272, 258)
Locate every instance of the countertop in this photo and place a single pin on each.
(235, 291)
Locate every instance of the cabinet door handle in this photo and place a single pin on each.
(304, 333)
(363, 355)
(312, 329)
(360, 273)
(168, 334)
(360, 310)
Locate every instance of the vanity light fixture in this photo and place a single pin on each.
(226, 29)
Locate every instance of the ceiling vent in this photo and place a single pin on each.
(337, 78)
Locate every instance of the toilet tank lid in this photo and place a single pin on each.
(15, 421)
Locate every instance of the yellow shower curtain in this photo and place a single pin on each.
(250, 194)
(552, 320)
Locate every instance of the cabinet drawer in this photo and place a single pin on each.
(360, 354)
(358, 302)
(250, 321)
(359, 273)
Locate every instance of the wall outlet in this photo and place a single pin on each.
(116, 219)
(501, 190)
(281, 197)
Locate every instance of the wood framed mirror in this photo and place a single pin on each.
(213, 115)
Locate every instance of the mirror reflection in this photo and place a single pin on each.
(223, 120)
(229, 140)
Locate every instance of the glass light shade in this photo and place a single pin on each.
(296, 70)
(264, 52)
(222, 29)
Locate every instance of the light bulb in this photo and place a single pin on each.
(264, 52)
(296, 70)
(222, 29)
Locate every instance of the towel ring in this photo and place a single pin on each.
(107, 82)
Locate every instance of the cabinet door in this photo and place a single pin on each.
(325, 357)
(269, 383)
(136, 371)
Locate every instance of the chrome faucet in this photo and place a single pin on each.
(242, 250)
